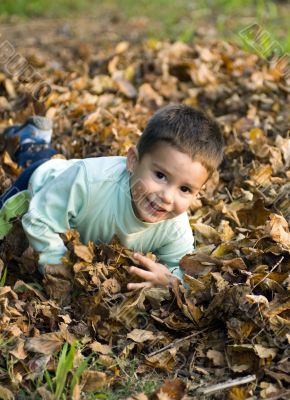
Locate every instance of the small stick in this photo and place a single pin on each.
(265, 277)
(228, 384)
(261, 193)
(176, 342)
(228, 193)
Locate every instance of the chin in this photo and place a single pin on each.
(146, 219)
(152, 218)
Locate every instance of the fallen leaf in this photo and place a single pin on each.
(47, 343)
(140, 335)
(93, 380)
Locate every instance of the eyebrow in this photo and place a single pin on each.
(168, 173)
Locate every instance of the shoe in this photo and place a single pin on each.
(36, 130)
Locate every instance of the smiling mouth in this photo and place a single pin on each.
(155, 207)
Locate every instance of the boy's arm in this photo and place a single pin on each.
(180, 243)
(52, 210)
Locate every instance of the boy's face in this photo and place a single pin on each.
(164, 183)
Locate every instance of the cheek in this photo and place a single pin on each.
(143, 186)
(140, 187)
(137, 190)
(182, 204)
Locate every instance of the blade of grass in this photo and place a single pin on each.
(83, 365)
(65, 364)
(48, 380)
(3, 277)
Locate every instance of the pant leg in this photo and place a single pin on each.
(21, 182)
(29, 153)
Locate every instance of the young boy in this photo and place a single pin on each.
(142, 198)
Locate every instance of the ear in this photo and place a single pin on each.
(132, 158)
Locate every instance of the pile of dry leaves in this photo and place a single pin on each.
(227, 334)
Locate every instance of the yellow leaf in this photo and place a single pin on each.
(238, 393)
(6, 394)
(256, 134)
(84, 253)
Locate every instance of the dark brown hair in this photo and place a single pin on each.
(189, 130)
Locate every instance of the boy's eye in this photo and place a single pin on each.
(185, 189)
(159, 174)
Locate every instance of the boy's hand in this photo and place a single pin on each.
(156, 274)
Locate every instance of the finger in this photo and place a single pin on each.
(133, 286)
(141, 273)
(145, 261)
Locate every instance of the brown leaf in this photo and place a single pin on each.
(170, 390)
(277, 306)
(44, 393)
(6, 394)
(284, 145)
(101, 348)
(84, 253)
(93, 380)
(198, 264)
(126, 88)
(278, 229)
(149, 97)
(242, 358)
(208, 232)
(21, 286)
(48, 343)
(165, 360)
(58, 281)
(141, 335)
(18, 350)
(254, 215)
(217, 357)
(265, 352)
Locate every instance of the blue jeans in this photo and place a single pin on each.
(22, 156)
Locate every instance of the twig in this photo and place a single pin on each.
(275, 266)
(260, 193)
(228, 193)
(241, 161)
(228, 384)
(176, 342)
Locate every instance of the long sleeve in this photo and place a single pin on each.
(180, 243)
(55, 208)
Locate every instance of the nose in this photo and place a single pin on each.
(167, 195)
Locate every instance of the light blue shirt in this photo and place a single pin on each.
(93, 196)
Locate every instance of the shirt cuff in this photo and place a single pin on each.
(176, 271)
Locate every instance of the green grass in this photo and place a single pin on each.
(170, 18)
(61, 383)
(180, 19)
(129, 384)
(36, 8)
(66, 377)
